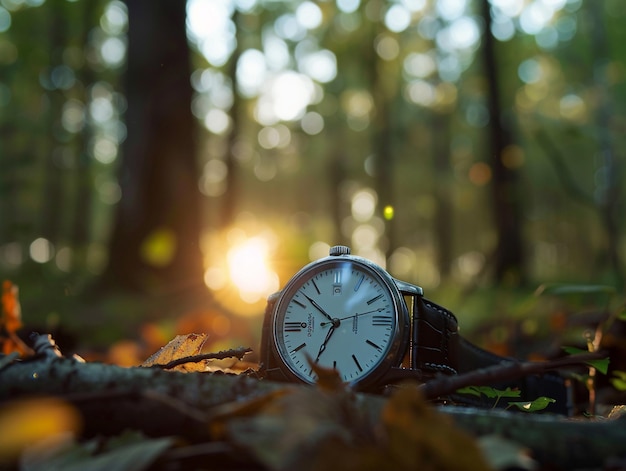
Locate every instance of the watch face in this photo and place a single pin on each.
(339, 313)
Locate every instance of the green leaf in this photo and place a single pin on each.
(619, 380)
(532, 406)
(574, 350)
(473, 390)
(559, 289)
(618, 384)
(602, 365)
(620, 374)
(489, 391)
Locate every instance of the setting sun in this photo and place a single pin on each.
(249, 271)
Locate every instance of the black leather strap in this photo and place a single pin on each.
(435, 340)
(438, 348)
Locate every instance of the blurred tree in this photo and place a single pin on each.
(81, 231)
(154, 245)
(507, 205)
(382, 83)
(57, 136)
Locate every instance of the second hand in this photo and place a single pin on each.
(322, 324)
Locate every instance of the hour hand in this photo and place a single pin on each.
(323, 346)
(318, 307)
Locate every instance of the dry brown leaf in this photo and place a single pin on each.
(419, 437)
(181, 346)
(328, 379)
(291, 430)
(222, 414)
(11, 321)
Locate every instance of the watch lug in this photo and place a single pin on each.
(408, 288)
(272, 298)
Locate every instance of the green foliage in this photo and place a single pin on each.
(601, 365)
(493, 393)
(533, 406)
(619, 380)
(564, 289)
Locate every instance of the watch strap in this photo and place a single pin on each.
(438, 348)
(435, 338)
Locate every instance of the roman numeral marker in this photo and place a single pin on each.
(382, 320)
(294, 326)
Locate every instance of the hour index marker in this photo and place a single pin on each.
(374, 299)
(377, 347)
(316, 288)
(299, 347)
(294, 326)
(382, 320)
(356, 362)
(358, 283)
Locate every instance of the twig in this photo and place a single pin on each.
(505, 371)
(238, 353)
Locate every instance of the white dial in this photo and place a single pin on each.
(338, 314)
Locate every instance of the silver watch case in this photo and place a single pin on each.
(273, 365)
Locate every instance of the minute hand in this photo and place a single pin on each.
(319, 308)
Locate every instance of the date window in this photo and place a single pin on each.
(337, 284)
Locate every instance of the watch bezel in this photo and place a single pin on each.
(397, 346)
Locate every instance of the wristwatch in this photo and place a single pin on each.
(346, 313)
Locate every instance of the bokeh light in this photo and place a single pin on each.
(239, 270)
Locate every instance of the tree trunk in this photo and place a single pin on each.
(54, 188)
(82, 214)
(444, 214)
(507, 204)
(609, 189)
(155, 240)
(111, 399)
(382, 135)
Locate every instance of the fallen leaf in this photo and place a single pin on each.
(180, 347)
(29, 421)
(419, 437)
(130, 451)
(11, 321)
(506, 454)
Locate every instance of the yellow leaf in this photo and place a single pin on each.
(180, 347)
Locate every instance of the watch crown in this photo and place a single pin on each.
(339, 250)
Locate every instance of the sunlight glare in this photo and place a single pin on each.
(249, 270)
(309, 15)
(210, 26)
(285, 98)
